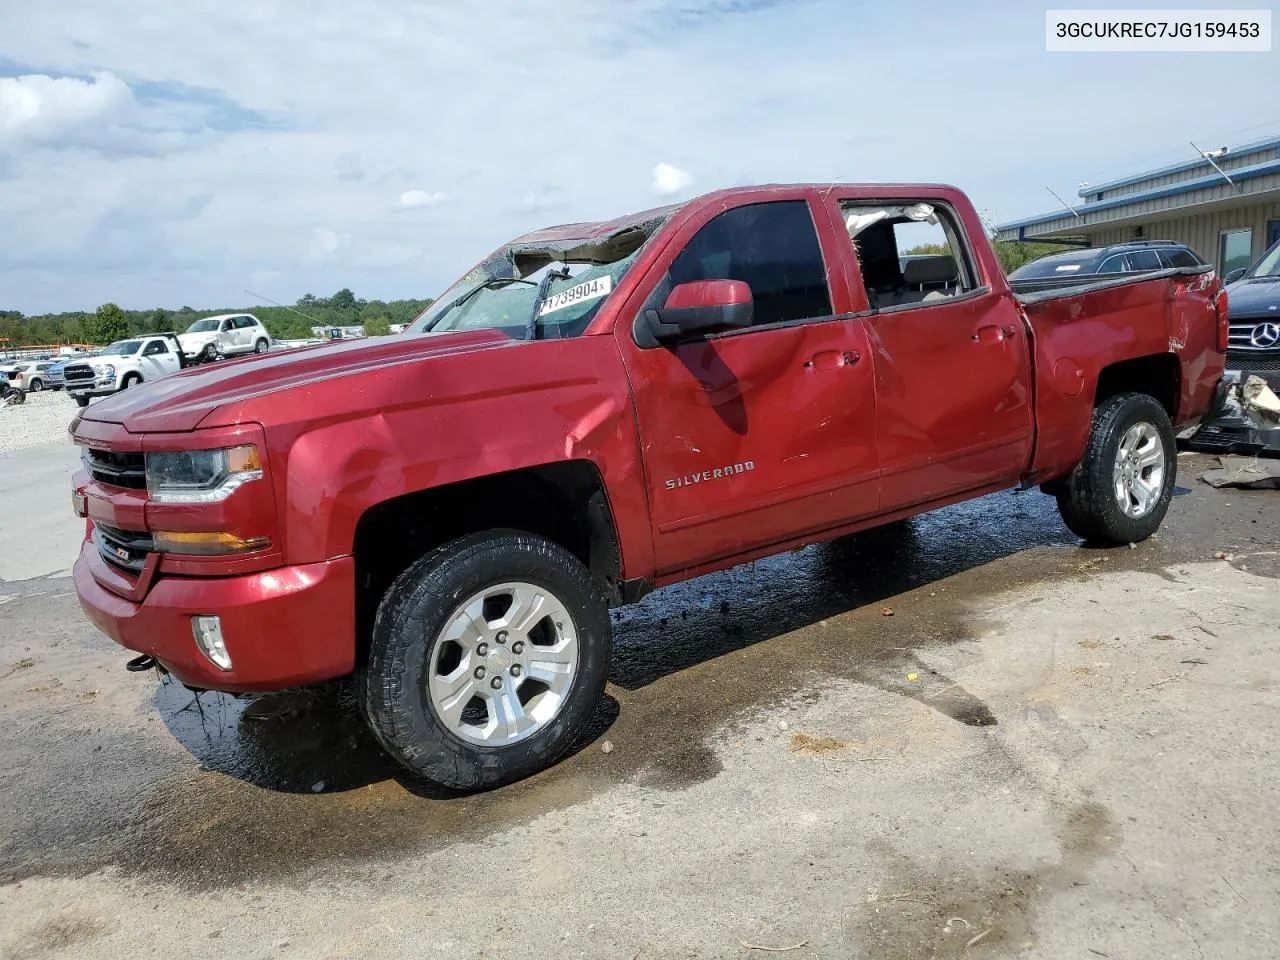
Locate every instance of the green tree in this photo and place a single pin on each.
(107, 324)
(378, 326)
(158, 322)
(1014, 253)
(344, 300)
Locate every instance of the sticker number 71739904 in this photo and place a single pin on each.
(592, 289)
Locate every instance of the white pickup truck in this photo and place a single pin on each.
(226, 335)
(123, 364)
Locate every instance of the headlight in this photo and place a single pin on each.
(201, 476)
(107, 370)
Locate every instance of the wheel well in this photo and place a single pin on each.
(564, 502)
(1157, 376)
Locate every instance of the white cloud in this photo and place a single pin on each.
(39, 108)
(668, 180)
(326, 242)
(421, 198)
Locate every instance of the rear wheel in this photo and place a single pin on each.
(261, 346)
(488, 658)
(1120, 491)
(37, 386)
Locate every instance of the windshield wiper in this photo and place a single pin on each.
(531, 331)
(482, 285)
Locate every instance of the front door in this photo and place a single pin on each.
(760, 435)
(952, 361)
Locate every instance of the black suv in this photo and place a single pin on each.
(1135, 256)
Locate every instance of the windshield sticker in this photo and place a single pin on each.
(1066, 268)
(578, 293)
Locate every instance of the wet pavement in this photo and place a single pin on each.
(107, 774)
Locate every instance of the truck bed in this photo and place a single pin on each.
(1051, 288)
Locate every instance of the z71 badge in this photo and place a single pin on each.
(719, 473)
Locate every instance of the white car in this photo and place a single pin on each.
(33, 376)
(226, 335)
(124, 364)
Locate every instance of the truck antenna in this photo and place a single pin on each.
(285, 305)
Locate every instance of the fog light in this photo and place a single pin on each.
(208, 634)
(78, 504)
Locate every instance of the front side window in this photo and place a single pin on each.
(771, 247)
(1236, 250)
(910, 254)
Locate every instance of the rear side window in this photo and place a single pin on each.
(1180, 258)
(910, 254)
(773, 248)
(242, 323)
(1144, 260)
(1114, 264)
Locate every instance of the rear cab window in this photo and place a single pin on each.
(911, 254)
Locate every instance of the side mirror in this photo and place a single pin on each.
(703, 306)
(1235, 274)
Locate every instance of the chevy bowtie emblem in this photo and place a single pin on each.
(1265, 335)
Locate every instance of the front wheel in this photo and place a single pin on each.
(1120, 492)
(82, 401)
(488, 658)
(130, 380)
(209, 353)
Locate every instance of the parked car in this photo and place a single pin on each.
(1133, 257)
(595, 410)
(33, 376)
(123, 364)
(1232, 425)
(226, 335)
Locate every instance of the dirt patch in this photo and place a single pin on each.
(58, 933)
(809, 745)
(946, 910)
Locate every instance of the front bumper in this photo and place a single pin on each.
(284, 627)
(1230, 428)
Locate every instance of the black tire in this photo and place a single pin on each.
(392, 685)
(262, 346)
(1087, 499)
(130, 380)
(209, 353)
(82, 401)
(37, 385)
(14, 397)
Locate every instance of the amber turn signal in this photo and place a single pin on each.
(206, 544)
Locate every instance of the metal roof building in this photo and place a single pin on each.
(1227, 209)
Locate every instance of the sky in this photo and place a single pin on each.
(168, 154)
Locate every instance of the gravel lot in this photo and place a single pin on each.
(41, 420)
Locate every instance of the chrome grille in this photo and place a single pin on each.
(116, 469)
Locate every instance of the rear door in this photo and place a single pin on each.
(951, 359)
(760, 435)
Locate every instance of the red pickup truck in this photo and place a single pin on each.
(599, 409)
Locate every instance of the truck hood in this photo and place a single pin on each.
(181, 402)
(1254, 298)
